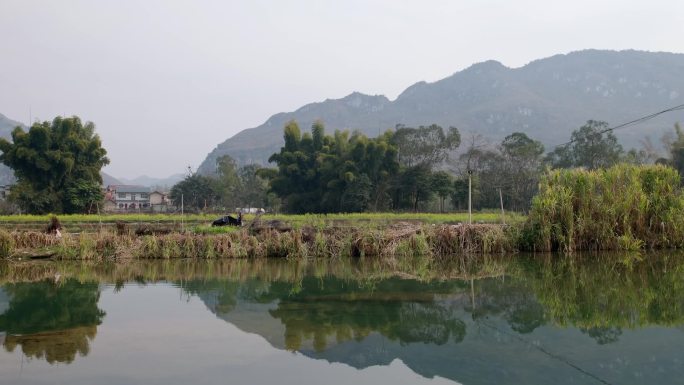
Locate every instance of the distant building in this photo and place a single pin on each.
(158, 198)
(127, 198)
(160, 203)
(249, 210)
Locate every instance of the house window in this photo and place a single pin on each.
(144, 195)
(121, 195)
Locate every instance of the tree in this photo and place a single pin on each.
(253, 191)
(57, 166)
(227, 182)
(425, 145)
(521, 166)
(419, 151)
(512, 167)
(443, 186)
(323, 173)
(676, 150)
(196, 192)
(413, 186)
(591, 147)
(297, 181)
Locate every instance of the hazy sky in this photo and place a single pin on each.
(166, 81)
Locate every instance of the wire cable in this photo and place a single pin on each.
(630, 123)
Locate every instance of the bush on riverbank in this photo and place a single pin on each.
(625, 207)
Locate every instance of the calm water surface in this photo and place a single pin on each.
(510, 321)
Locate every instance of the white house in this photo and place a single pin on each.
(128, 198)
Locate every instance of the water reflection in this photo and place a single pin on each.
(51, 320)
(549, 318)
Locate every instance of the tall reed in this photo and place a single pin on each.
(624, 207)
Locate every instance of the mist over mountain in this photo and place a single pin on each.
(547, 99)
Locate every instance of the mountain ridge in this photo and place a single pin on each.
(546, 98)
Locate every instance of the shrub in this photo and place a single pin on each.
(622, 207)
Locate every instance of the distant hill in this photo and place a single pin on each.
(109, 180)
(546, 99)
(152, 181)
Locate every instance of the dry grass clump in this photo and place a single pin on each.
(398, 240)
(472, 239)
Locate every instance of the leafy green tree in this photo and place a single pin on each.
(443, 186)
(253, 189)
(57, 166)
(521, 167)
(459, 193)
(297, 179)
(323, 173)
(227, 182)
(590, 147)
(513, 167)
(419, 151)
(196, 192)
(413, 187)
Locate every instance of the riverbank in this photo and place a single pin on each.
(272, 239)
(623, 208)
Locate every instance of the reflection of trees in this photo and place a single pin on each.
(342, 310)
(429, 323)
(512, 300)
(51, 321)
(601, 297)
(55, 346)
(603, 335)
(605, 296)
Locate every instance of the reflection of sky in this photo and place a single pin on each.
(153, 335)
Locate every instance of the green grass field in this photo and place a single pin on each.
(296, 220)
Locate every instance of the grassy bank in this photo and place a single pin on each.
(399, 240)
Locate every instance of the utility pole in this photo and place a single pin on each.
(182, 225)
(503, 218)
(470, 197)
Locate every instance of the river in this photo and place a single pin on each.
(615, 319)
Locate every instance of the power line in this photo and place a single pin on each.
(631, 123)
(548, 353)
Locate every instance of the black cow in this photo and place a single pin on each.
(228, 221)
